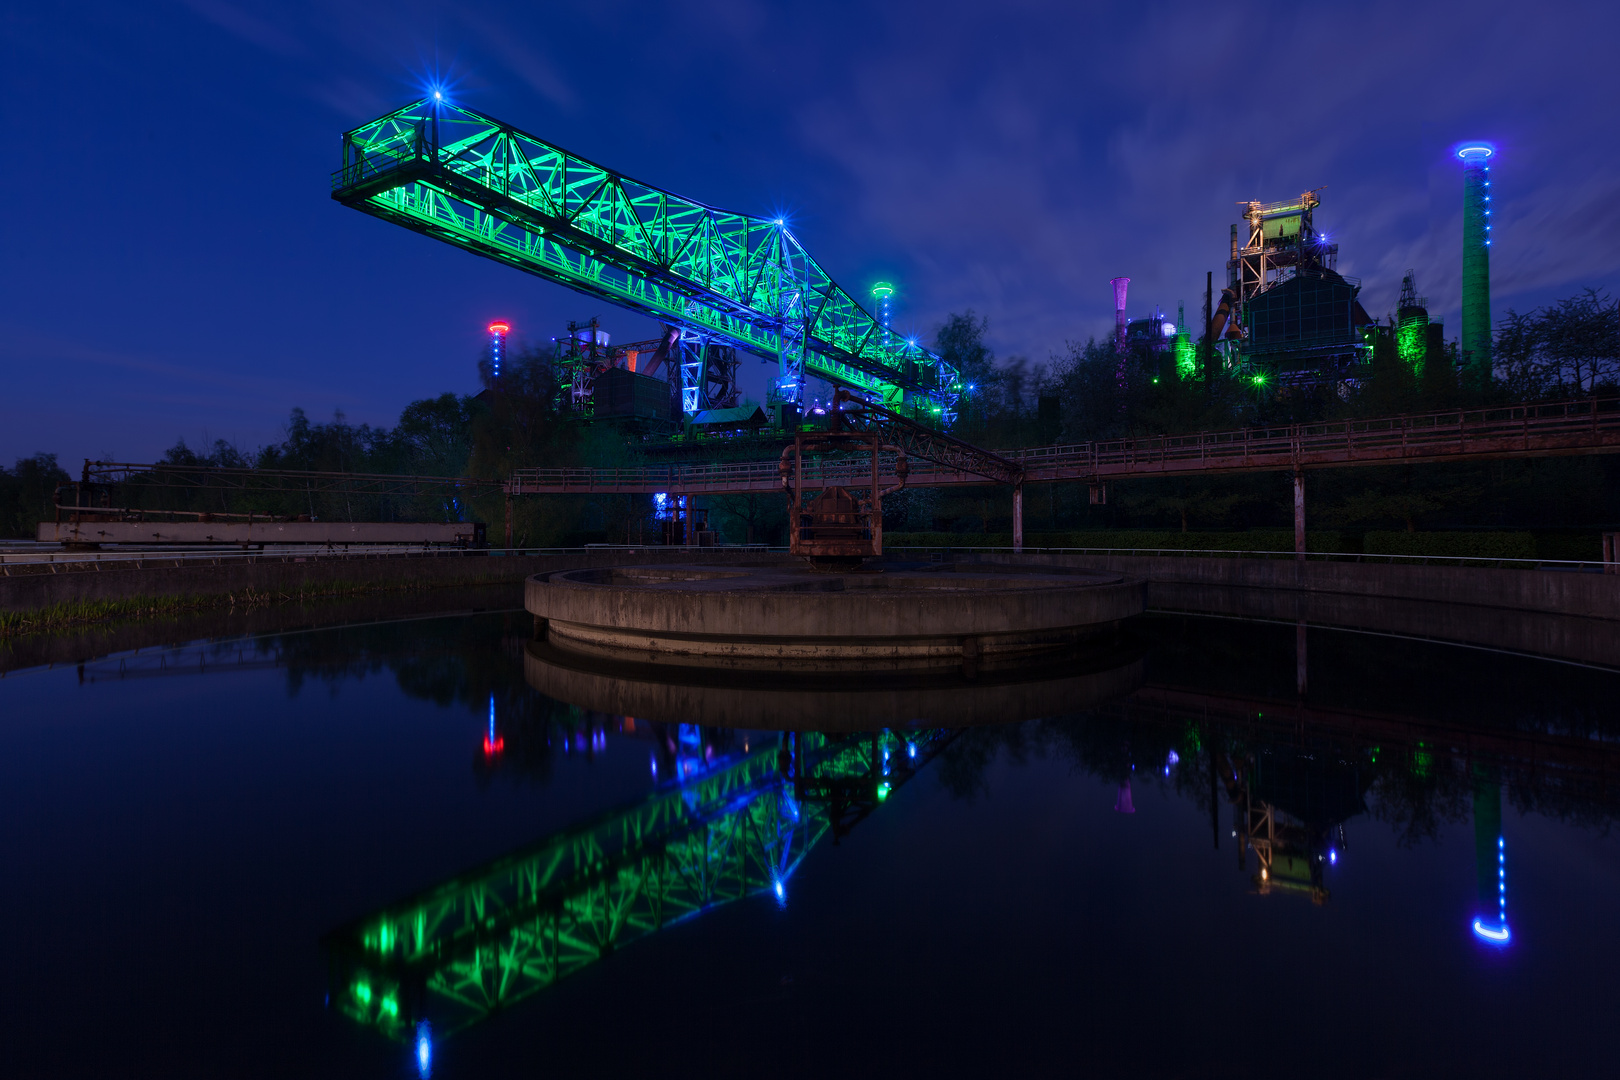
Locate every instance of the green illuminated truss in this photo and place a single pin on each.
(500, 933)
(724, 277)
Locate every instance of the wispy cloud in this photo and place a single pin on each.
(249, 28)
(536, 71)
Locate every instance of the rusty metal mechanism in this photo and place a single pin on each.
(831, 524)
(834, 528)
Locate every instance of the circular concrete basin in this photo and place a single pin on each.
(778, 617)
(1073, 681)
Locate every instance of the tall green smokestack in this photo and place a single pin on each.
(1476, 274)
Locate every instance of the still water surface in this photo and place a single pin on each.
(202, 844)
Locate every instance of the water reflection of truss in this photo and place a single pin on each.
(463, 950)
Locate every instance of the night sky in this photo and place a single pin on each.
(173, 266)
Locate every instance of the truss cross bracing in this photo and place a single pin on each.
(467, 948)
(484, 186)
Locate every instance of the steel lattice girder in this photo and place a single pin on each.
(485, 186)
(507, 930)
(511, 928)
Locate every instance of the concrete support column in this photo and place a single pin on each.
(1299, 514)
(1018, 518)
(509, 516)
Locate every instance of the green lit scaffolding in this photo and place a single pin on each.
(457, 953)
(720, 277)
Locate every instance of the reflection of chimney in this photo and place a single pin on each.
(1122, 802)
(1120, 285)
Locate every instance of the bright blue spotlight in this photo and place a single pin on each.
(424, 1050)
(781, 894)
(1492, 935)
(1333, 856)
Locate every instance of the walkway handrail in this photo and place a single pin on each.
(1590, 566)
(1577, 426)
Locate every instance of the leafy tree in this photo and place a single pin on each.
(1569, 347)
(25, 494)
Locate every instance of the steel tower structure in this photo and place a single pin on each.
(1476, 284)
(883, 293)
(1282, 241)
(497, 345)
(719, 277)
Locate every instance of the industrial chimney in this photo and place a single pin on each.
(1120, 284)
(1476, 272)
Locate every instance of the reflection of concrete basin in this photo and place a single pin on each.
(791, 618)
(1064, 683)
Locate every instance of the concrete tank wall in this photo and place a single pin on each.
(275, 575)
(1553, 591)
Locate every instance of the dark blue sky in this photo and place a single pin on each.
(172, 265)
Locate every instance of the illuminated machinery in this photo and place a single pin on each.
(868, 449)
(1287, 315)
(1417, 340)
(713, 833)
(718, 278)
(1154, 333)
(637, 381)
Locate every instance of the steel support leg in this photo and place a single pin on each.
(509, 517)
(1300, 683)
(1299, 514)
(1018, 518)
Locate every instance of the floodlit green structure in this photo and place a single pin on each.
(1412, 327)
(721, 277)
(1186, 351)
(1476, 283)
(461, 951)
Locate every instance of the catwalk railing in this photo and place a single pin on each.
(1509, 431)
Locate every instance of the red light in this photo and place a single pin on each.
(498, 328)
(493, 748)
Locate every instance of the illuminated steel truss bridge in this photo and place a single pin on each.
(722, 278)
(461, 951)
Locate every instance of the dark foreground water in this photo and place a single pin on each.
(261, 857)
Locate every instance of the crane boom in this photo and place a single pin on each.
(484, 186)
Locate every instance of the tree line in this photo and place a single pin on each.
(1084, 391)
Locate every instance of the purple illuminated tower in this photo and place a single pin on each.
(1120, 284)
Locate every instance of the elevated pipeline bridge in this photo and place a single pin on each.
(721, 277)
(1588, 426)
(481, 942)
